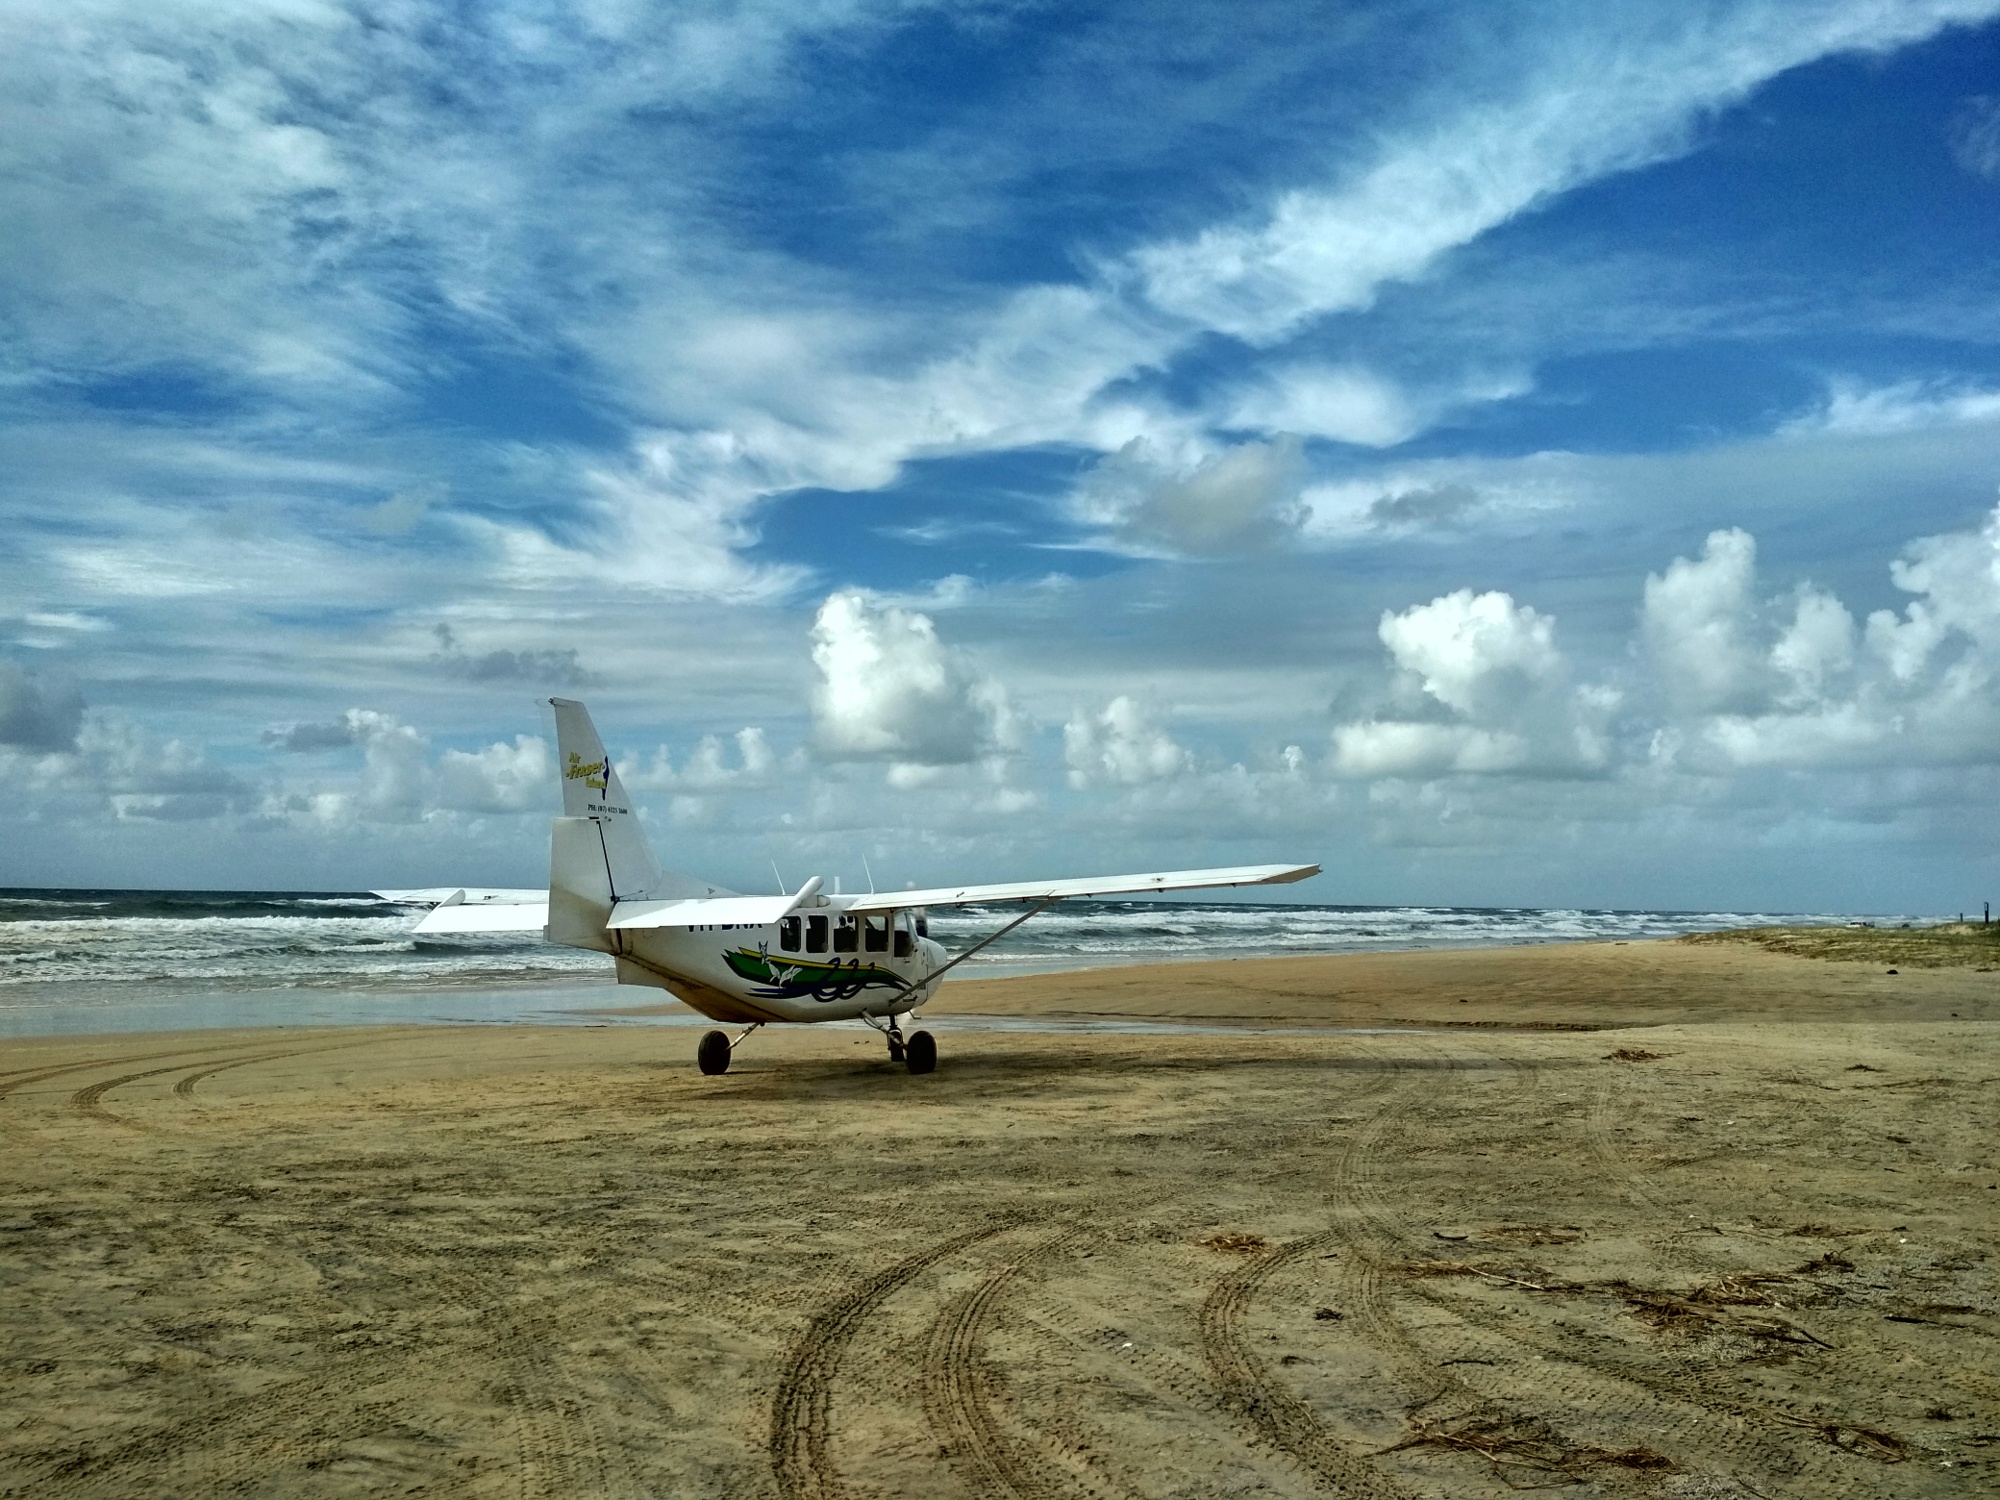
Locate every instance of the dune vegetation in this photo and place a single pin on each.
(1947, 945)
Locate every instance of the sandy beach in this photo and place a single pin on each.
(1647, 1219)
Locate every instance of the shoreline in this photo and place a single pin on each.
(1552, 985)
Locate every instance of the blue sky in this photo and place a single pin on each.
(1520, 454)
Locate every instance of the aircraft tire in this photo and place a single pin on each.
(712, 1056)
(920, 1052)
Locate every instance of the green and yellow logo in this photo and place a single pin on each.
(592, 773)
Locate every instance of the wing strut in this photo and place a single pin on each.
(1040, 906)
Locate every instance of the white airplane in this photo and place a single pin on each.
(750, 960)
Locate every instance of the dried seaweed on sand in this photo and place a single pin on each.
(1509, 1442)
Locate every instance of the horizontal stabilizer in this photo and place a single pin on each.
(1100, 885)
(439, 895)
(492, 916)
(459, 908)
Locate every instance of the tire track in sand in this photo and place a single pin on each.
(560, 1449)
(21, 1078)
(958, 1394)
(1250, 1390)
(88, 1100)
(1659, 1404)
(800, 1432)
(246, 1438)
(185, 1087)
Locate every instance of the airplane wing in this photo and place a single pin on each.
(1100, 885)
(475, 908)
(698, 911)
(750, 911)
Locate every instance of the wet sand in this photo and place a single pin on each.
(1740, 1242)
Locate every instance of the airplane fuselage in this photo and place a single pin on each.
(821, 964)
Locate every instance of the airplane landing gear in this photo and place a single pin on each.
(917, 1051)
(712, 1056)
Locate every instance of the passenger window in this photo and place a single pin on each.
(877, 930)
(788, 934)
(815, 934)
(903, 942)
(846, 936)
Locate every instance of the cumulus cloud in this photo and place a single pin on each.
(1796, 684)
(501, 778)
(1122, 746)
(1732, 678)
(708, 768)
(1237, 500)
(116, 764)
(1697, 623)
(399, 781)
(1499, 691)
(890, 690)
(36, 715)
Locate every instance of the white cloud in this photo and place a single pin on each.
(1494, 667)
(1853, 409)
(1475, 653)
(395, 782)
(1748, 687)
(1349, 405)
(1697, 622)
(890, 690)
(501, 778)
(1816, 648)
(1120, 745)
(707, 767)
(1615, 94)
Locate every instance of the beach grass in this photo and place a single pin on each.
(1947, 945)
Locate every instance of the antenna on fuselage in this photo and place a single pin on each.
(779, 878)
(871, 874)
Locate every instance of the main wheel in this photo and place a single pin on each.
(920, 1052)
(712, 1056)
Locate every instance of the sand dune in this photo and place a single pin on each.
(1752, 1255)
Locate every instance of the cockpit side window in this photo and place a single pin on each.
(875, 933)
(788, 934)
(904, 944)
(816, 934)
(923, 924)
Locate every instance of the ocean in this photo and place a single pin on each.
(74, 960)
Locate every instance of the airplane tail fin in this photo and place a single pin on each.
(592, 792)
